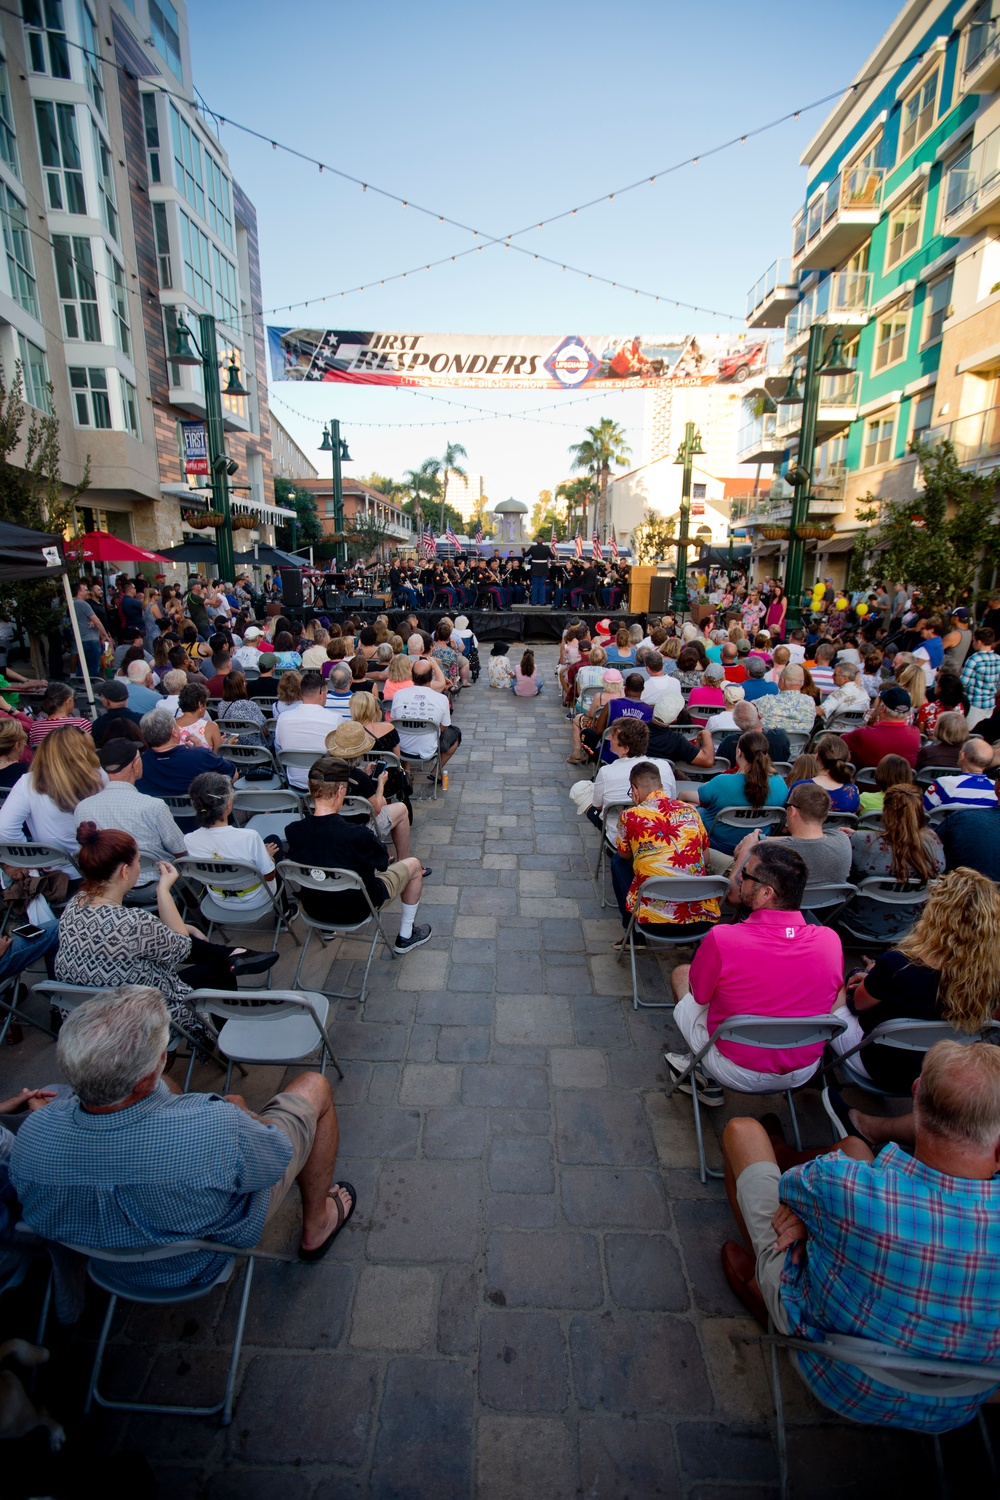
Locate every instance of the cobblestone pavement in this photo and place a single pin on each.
(528, 1302)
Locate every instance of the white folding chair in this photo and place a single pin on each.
(610, 813)
(827, 899)
(837, 819)
(269, 1028)
(303, 760)
(333, 882)
(870, 820)
(686, 935)
(902, 896)
(250, 801)
(938, 814)
(747, 818)
(775, 1033)
(411, 758)
(206, 877)
(247, 757)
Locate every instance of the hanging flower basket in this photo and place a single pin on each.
(212, 518)
(244, 523)
(774, 533)
(195, 519)
(808, 533)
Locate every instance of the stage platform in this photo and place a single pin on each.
(525, 623)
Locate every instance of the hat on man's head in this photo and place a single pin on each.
(604, 626)
(252, 633)
(765, 633)
(349, 740)
(715, 672)
(743, 646)
(756, 666)
(733, 693)
(612, 676)
(895, 698)
(960, 614)
(666, 708)
(115, 755)
(114, 690)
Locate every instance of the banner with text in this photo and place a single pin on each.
(513, 361)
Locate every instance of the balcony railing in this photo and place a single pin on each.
(982, 48)
(836, 393)
(780, 274)
(974, 179)
(859, 189)
(757, 436)
(976, 439)
(843, 297)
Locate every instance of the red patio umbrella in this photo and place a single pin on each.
(101, 546)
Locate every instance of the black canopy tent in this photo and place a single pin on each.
(26, 555)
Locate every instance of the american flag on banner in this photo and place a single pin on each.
(596, 551)
(552, 540)
(479, 532)
(614, 546)
(427, 546)
(451, 538)
(578, 544)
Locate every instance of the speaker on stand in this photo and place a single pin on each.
(291, 588)
(660, 589)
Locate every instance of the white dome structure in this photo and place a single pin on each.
(509, 515)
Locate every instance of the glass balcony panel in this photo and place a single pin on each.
(799, 235)
(975, 177)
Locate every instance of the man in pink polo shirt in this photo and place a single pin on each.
(773, 964)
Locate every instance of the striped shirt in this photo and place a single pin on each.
(961, 791)
(900, 1252)
(980, 677)
(42, 727)
(169, 1167)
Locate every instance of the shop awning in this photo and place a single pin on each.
(837, 544)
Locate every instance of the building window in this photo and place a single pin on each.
(92, 58)
(17, 244)
(46, 32)
(8, 140)
(938, 307)
(162, 234)
(106, 183)
(77, 287)
(90, 396)
(130, 407)
(165, 32)
(119, 305)
(923, 411)
(331, 508)
(904, 230)
(917, 115)
(226, 296)
(699, 491)
(890, 340)
(197, 268)
(34, 374)
(151, 126)
(189, 172)
(60, 152)
(219, 201)
(878, 441)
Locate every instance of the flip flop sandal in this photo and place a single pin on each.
(320, 1251)
(426, 870)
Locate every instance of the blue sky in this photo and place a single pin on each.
(496, 116)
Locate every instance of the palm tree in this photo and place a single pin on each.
(446, 467)
(422, 484)
(578, 494)
(603, 446)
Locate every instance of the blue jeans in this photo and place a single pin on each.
(538, 591)
(92, 656)
(24, 951)
(621, 879)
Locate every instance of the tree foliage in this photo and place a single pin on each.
(309, 529)
(32, 494)
(603, 446)
(937, 539)
(652, 537)
(366, 536)
(579, 495)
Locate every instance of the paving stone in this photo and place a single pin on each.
(537, 882)
(488, 903)
(370, 1130)
(384, 1083)
(521, 1165)
(369, 1040)
(672, 1126)
(522, 1362)
(427, 1211)
(485, 1084)
(621, 1456)
(427, 1083)
(645, 1273)
(473, 951)
(393, 1308)
(457, 1310)
(285, 1414)
(463, 1043)
(445, 1009)
(702, 1228)
(455, 1132)
(737, 1368)
(545, 1270)
(521, 1210)
(425, 1430)
(714, 1450)
(578, 1068)
(422, 1046)
(541, 1020)
(473, 979)
(518, 1057)
(476, 927)
(638, 1362)
(602, 1126)
(607, 1197)
(598, 1021)
(522, 976)
(518, 1457)
(426, 969)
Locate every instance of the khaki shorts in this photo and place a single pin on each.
(295, 1115)
(395, 879)
(757, 1195)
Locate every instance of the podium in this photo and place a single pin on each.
(639, 580)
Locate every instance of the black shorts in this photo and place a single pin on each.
(450, 736)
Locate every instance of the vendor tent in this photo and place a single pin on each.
(26, 555)
(101, 546)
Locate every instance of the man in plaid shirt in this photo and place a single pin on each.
(980, 675)
(899, 1248)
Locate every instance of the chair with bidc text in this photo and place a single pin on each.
(333, 882)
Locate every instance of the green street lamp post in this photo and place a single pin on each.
(820, 361)
(204, 351)
(685, 455)
(335, 444)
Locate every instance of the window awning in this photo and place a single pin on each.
(837, 544)
(769, 549)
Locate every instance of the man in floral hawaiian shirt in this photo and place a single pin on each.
(658, 836)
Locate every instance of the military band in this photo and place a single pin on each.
(498, 583)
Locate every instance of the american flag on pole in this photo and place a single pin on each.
(479, 531)
(595, 549)
(452, 539)
(552, 540)
(614, 547)
(578, 544)
(427, 546)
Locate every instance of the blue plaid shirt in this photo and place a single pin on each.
(980, 676)
(896, 1251)
(169, 1167)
